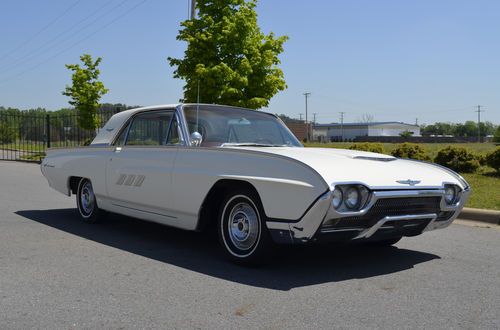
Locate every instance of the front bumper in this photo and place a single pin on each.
(378, 220)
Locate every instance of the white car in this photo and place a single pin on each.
(243, 172)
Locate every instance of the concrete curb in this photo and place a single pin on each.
(488, 216)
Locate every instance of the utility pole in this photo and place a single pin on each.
(300, 116)
(342, 125)
(416, 121)
(479, 123)
(314, 118)
(193, 9)
(307, 94)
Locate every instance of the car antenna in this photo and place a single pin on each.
(198, 105)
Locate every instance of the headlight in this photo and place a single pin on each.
(352, 198)
(450, 194)
(337, 198)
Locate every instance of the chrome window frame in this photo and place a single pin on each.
(129, 121)
(181, 109)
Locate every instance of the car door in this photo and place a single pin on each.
(138, 173)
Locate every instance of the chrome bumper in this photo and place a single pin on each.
(311, 224)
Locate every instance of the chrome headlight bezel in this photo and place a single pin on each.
(352, 199)
(452, 194)
(343, 190)
(337, 198)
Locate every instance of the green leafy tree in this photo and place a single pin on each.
(496, 137)
(228, 56)
(86, 91)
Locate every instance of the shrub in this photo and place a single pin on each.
(372, 147)
(7, 134)
(410, 150)
(493, 160)
(458, 159)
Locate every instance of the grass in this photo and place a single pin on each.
(485, 183)
(37, 146)
(485, 190)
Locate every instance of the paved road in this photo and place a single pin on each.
(56, 272)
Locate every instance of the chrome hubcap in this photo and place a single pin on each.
(243, 226)
(87, 198)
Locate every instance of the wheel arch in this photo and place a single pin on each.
(209, 210)
(73, 182)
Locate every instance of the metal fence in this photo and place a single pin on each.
(26, 136)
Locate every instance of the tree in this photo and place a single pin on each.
(86, 91)
(496, 137)
(228, 57)
(406, 134)
(366, 118)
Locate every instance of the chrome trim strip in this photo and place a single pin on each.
(322, 209)
(373, 229)
(144, 211)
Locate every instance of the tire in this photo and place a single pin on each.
(87, 203)
(385, 242)
(241, 228)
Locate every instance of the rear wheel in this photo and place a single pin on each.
(241, 228)
(87, 203)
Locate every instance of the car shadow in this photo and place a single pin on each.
(293, 267)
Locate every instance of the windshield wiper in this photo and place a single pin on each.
(251, 144)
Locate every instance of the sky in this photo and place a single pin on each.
(426, 60)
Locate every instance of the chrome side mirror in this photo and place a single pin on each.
(196, 139)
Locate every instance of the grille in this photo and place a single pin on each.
(392, 207)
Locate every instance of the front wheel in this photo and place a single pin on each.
(241, 228)
(87, 203)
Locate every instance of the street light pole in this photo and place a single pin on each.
(193, 9)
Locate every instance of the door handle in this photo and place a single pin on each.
(118, 149)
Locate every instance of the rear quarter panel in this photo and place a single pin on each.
(86, 162)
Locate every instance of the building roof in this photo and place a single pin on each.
(365, 124)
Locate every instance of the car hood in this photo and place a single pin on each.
(377, 171)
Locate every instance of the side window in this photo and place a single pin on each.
(121, 138)
(173, 134)
(149, 129)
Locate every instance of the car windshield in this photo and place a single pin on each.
(226, 126)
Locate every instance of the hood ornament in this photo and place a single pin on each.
(409, 182)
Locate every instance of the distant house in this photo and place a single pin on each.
(350, 131)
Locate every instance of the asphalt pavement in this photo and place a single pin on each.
(56, 272)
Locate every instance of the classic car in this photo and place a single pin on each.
(242, 173)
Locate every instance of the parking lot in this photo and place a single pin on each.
(56, 272)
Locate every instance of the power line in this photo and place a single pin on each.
(50, 44)
(43, 29)
(74, 44)
(342, 124)
(307, 94)
(479, 122)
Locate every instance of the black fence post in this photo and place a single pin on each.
(47, 118)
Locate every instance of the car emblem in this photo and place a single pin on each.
(409, 182)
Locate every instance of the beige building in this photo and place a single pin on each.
(350, 131)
